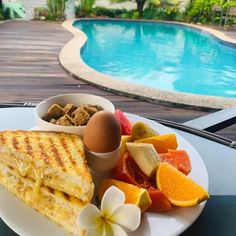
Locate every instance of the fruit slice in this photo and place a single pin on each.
(161, 142)
(177, 158)
(133, 194)
(124, 140)
(145, 156)
(141, 130)
(128, 171)
(159, 201)
(125, 124)
(181, 190)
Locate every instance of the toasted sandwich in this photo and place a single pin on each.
(48, 171)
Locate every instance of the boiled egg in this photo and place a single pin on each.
(102, 133)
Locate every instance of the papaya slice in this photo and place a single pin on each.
(177, 158)
(159, 201)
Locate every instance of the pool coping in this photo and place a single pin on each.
(71, 61)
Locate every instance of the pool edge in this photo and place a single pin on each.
(71, 61)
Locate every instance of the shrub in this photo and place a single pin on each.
(85, 8)
(150, 13)
(201, 11)
(79, 12)
(1, 15)
(131, 14)
(167, 12)
(101, 12)
(41, 13)
(56, 9)
(135, 15)
(162, 13)
(171, 13)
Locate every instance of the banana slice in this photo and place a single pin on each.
(145, 155)
(141, 130)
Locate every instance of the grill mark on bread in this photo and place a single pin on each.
(2, 138)
(28, 146)
(43, 154)
(66, 196)
(15, 142)
(77, 147)
(63, 142)
(42, 151)
(56, 154)
(51, 190)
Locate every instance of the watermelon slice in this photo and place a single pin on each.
(125, 124)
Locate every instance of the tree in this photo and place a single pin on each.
(140, 4)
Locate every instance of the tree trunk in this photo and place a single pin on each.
(140, 5)
(0, 4)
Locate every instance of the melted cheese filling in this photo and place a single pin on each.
(54, 205)
(50, 177)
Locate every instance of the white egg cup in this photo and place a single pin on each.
(102, 162)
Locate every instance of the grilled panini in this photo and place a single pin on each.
(48, 171)
(55, 159)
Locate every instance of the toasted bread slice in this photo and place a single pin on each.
(51, 159)
(58, 206)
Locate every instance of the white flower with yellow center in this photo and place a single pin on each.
(114, 219)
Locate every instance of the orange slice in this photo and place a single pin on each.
(133, 194)
(181, 190)
(161, 142)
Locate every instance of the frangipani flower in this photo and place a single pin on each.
(114, 219)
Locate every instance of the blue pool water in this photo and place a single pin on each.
(163, 56)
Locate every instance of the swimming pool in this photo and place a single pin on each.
(168, 57)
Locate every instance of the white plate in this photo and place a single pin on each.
(25, 221)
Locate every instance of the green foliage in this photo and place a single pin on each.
(56, 9)
(85, 8)
(113, 13)
(1, 15)
(154, 3)
(197, 10)
(131, 14)
(135, 15)
(226, 3)
(150, 13)
(167, 12)
(201, 10)
(41, 13)
(161, 13)
(101, 12)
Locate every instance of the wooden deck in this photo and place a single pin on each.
(30, 71)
